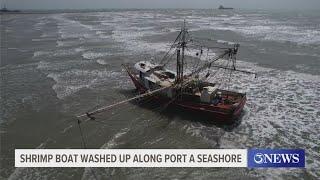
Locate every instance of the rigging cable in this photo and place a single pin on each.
(163, 58)
(224, 72)
(85, 146)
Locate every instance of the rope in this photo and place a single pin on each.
(81, 134)
(85, 147)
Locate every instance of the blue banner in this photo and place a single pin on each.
(276, 158)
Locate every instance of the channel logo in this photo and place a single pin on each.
(276, 158)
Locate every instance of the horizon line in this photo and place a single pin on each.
(158, 8)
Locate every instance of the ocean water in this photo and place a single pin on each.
(57, 65)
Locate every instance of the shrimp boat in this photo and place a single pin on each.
(188, 88)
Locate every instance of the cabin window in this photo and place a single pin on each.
(170, 75)
(142, 65)
(141, 75)
(153, 85)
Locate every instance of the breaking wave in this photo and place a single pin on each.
(281, 106)
(94, 55)
(72, 81)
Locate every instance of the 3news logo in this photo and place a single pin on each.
(276, 158)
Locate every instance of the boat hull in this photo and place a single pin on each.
(215, 113)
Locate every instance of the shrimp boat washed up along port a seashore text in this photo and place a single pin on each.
(188, 88)
(189, 91)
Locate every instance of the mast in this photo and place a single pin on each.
(178, 79)
(180, 53)
(183, 44)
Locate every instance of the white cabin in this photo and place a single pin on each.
(154, 75)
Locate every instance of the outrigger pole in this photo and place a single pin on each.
(231, 52)
(105, 108)
(233, 69)
(208, 64)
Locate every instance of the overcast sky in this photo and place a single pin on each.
(83, 4)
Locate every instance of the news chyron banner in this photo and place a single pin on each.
(276, 158)
(252, 158)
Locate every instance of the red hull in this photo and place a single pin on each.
(218, 113)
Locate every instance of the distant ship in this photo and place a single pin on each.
(5, 10)
(222, 7)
